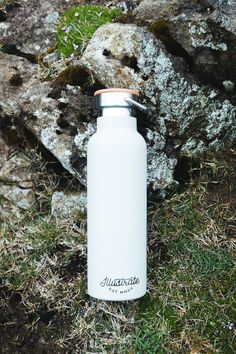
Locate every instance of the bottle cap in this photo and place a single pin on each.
(132, 92)
(118, 97)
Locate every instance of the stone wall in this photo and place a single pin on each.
(179, 54)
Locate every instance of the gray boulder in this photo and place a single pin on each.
(61, 117)
(31, 27)
(53, 121)
(186, 116)
(202, 32)
(193, 118)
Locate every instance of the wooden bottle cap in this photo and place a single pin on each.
(132, 92)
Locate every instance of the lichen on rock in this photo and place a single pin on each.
(178, 107)
(52, 101)
(203, 33)
(66, 204)
(36, 17)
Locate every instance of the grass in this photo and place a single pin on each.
(190, 306)
(78, 24)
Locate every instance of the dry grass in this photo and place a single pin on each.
(190, 304)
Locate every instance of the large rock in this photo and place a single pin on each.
(62, 118)
(44, 117)
(53, 113)
(186, 117)
(192, 118)
(202, 32)
(31, 27)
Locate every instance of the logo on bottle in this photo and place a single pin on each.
(114, 285)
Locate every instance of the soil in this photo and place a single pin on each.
(222, 189)
(18, 335)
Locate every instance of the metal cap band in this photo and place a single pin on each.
(124, 100)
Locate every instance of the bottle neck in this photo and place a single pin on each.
(116, 122)
(116, 111)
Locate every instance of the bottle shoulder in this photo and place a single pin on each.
(141, 138)
(110, 137)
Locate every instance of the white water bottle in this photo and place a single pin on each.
(116, 209)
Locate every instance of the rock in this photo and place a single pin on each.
(185, 113)
(51, 58)
(202, 32)
(223, 12)
(160, 167)
(54, 113)
(56, 123)
(6, 207)
(21, 198)
(186, 116)
(62, 118)
(149, 9)
(31, 27)
(17, 170)
(67, 204)
(15, 75)
(16, 179)
(44, 113)
(4, 152)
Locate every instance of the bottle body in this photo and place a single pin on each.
(116, 183)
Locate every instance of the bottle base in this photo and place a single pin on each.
(103, 298)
